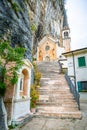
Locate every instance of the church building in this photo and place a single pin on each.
(46, 49)
(49, 48)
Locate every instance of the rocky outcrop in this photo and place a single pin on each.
(21, 17)
(24, 20)
(14, 19)
(48, 13)
(46, 17)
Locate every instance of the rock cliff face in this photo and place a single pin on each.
(15, 20)
(21, 17)
(46, 17)
(25, 22)
(47, 13)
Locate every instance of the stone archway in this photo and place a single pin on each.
(47, 58)
(22, 95)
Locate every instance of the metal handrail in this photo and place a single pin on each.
(73, 90)
(60, 67)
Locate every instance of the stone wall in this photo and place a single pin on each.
(46, 13)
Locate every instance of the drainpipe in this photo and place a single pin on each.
(78, 96)
(74, 69)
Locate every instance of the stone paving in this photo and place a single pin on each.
(55, 123)
(58, 124)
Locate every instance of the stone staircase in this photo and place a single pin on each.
(55, 98)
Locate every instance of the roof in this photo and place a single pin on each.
(45, 38)
(76, 52)
(65, 21)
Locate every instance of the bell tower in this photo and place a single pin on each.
(66, 33)
(66, 38)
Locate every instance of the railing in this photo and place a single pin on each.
(60, 67)
(73, 90)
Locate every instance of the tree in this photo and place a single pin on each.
(10, 62)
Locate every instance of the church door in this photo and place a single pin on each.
(47, 58)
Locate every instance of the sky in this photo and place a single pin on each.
(77, 19)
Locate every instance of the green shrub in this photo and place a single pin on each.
(34, 93)
(33, 27)
(34, 96)
(37, 75)
(9, 56)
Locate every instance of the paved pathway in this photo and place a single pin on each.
(58, 124)
(51, 123)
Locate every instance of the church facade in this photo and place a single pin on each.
(46, 50)
(49, 48)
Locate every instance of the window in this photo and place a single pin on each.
(65, 34)
(81, 61)
(82, 86)
(47, 48)
(21, 84)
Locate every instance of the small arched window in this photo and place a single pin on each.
(21, 84)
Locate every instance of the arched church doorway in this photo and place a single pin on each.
(47, 58)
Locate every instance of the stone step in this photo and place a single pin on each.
(57, 104)
(56, 94)
(71, 104)
(22, 120)
(74, 115)
(68, 101)
(60, 90)
(47, 93)
(61, 97)
(49, 101)
(56, 109)
(61, 94)
(58, 101)
(55, 97)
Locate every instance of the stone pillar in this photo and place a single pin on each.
(18, 89)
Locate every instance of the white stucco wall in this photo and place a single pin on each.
(64, 63)
(59, 50)
(70, 66)
(21, 108)
(81, 72)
